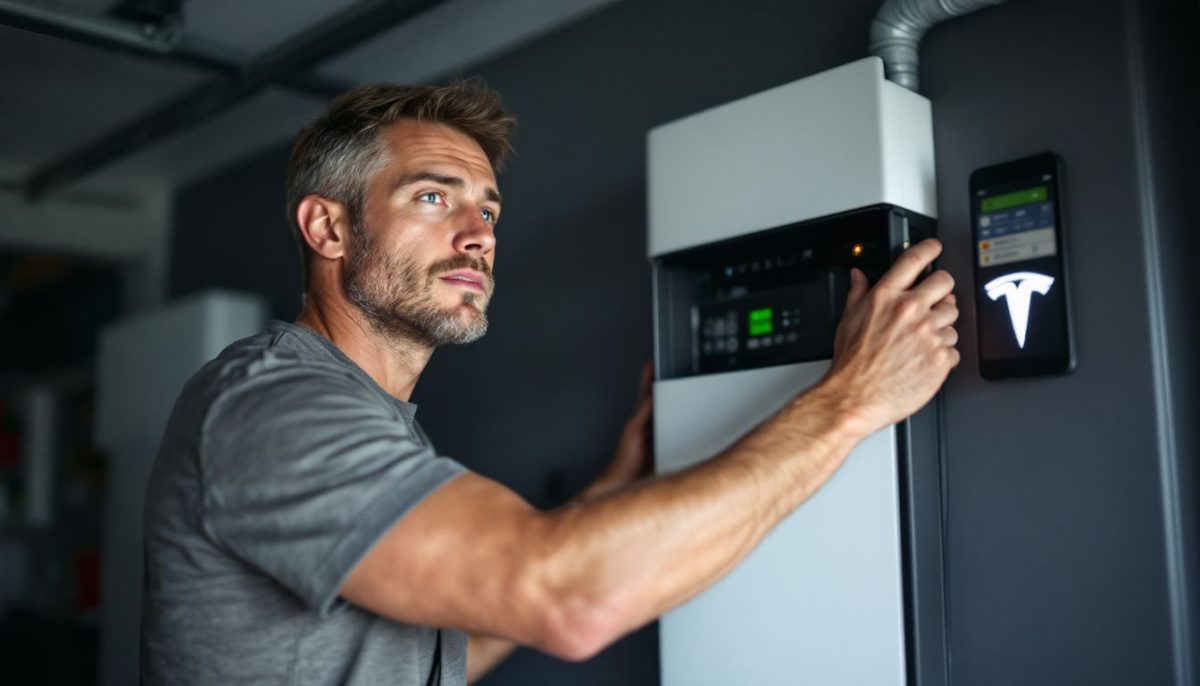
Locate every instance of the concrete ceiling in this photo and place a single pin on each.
(61, 95)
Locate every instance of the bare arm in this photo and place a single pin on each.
(476, 557)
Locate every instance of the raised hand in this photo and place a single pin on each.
(634, 456)
(895, 344)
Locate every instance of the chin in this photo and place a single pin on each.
(465, 313)
(473, 303)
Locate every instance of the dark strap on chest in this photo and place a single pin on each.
(435, 674)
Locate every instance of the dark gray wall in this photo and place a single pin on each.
(230, 231)
(1057, 559)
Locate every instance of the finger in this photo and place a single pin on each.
(910, 264)
(646, 385)
(955, 357)
(934, 287)
(858, 287)
(949, 336)
(943, 315)
(950, 299)
(641, 415)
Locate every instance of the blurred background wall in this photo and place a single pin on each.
(1110, 84)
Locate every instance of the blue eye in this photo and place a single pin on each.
(430, 197)
(488, 215)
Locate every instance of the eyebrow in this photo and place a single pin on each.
(490, 193)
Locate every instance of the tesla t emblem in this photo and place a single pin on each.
(1017, 289)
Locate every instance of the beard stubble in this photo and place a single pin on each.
(396, 294)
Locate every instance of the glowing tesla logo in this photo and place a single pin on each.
(1017, 289)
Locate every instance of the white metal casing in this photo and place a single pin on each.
(835, 141)
(821, 599)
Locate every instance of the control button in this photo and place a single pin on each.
(718, 327)
(765, 342)
(719, 346)
(778, 338)
(792, 337)
(708, 348)
(731, 345)
(752, 344)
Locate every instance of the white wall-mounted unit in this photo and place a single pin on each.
(834, 141)
(757, 210)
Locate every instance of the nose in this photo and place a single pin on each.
(474, 234)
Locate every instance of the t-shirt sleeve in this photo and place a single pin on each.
(305, 469)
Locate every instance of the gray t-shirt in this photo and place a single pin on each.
(283, 463)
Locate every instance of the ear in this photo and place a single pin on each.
(325, 225)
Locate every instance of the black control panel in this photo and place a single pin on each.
(769, 327)
(772, 297)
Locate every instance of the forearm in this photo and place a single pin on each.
(630, 555)
(484, 653)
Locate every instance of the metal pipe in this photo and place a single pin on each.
(81, 28)
(167, 45)
(119, 35)
(333, 36)
(899, 25)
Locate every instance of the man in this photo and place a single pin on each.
(300, 528)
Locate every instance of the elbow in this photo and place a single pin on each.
(576, 627)
(575, 611)
(578, 600)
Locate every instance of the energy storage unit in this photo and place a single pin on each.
(758, 208)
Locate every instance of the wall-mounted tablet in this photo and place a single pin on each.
(1021, 295)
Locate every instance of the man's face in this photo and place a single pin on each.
(419, 262)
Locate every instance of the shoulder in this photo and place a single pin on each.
(272, 388)
(268, 382)
(275, 404)
(283, 366)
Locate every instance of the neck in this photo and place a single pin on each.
(394, 363)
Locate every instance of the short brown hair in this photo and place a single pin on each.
(336, 155)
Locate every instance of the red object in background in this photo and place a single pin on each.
(87, 579)
(10, 440)
(10, 449)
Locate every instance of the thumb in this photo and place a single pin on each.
(641, 414)
(646, 385)
(858, 287)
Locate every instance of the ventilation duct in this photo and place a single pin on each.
(899, 25)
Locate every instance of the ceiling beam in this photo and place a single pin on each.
(331, 37)
(163, 43)
(103, 31)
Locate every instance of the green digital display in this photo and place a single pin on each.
(761, 321)
(1025, 196)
